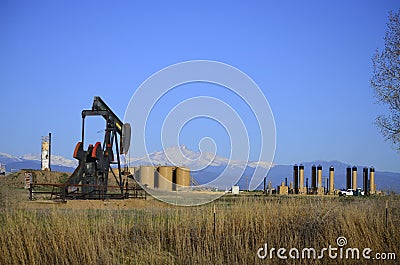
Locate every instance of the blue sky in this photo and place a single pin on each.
(312, 60)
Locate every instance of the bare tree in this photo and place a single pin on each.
(386, 81)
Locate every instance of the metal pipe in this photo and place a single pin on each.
(49, 151)
(83, 131)
(265, 180)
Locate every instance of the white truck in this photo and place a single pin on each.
(348, 192)
(351, 192)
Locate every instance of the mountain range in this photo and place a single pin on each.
(33, 161)
(182, 156)
(206, 166)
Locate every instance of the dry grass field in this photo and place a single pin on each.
(150, 232)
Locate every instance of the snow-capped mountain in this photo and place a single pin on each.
(7, 158)
(55, 160)
(182, 156)
(33, 161)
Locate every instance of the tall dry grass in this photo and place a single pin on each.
(185, 235)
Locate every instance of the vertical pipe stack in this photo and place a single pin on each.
(372, 188)
(320, 189)
(331, 180)
(49, 151)
(317, 186)
(296, 179)
(348, 178)
(354, 176)
(319, 174)
(314, 179)
(301, 180)
(365, 180)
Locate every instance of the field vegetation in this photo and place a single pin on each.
(149, 232)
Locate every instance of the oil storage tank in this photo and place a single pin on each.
(182, 177)
(146, 176)
(165, 178)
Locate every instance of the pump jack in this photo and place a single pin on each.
(91, 175)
